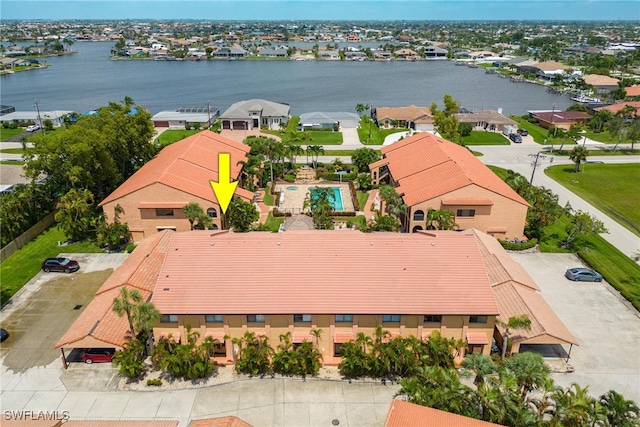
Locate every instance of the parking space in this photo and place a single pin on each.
(605, 324)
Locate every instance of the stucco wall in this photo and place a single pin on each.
(504, 213)
(143, 222)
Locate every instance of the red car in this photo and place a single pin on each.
(98, 355)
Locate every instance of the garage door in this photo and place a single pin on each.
(161, 124)
(239, 124)
(226, 124)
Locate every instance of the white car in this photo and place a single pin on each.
(33, 128)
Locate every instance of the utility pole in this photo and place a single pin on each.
(208, 115)
(537, 157)
(39, 118)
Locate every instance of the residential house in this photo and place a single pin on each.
(285, 287)
(269, 52)
(633, 92)
(435, 52)
(26, 117)
(153, 197)
(430, 172)
(408, 54)
(234, 52)
(559, 119)
(602, 84)
(329, 120)
(614, 108)
(255, 113)
(487, 120)
(412, 117)
(546, 70)
(329, 55)
(186, 116)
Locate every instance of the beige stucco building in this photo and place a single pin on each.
(153, 197)
(430, 172)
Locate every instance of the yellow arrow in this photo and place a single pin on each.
(224, 189)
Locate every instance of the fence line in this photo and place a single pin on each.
(26, 237)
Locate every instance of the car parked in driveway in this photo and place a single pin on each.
(523, 132)
(3, 334)
(60, 264)
(515, 138)
(581, 274)
(33, 128)
(97, 355)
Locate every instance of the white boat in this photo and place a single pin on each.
(585, 99)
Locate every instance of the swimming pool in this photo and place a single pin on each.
(337, 197)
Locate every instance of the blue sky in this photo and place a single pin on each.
(323, 10)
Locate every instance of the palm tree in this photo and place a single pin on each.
(315, 151)
(127, 305)
(441, 220)
(144, 318)
(316, 333)
(481, 364)
(573, 407)
(515, 322)
(192, 211)
(619, 411)
(361, 108)
(529, 370)
(578, 154)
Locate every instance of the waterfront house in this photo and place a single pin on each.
(435, 52)
(615, 108)
(186, 116)
(559, 119)
(602, 84)
(268, 52)
(233, 52)
(255, 113)
(430, 172)
(153, 197)
(31, 117)
(329, 120)
(408, 54)
(486, 120)
(411, 117)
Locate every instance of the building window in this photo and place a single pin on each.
(469, 213)
(475, 349)
(344, 318)
(432, 318)
(477, 319)
(164, 212)
(418, 215)
(220, 350)
(212, 212)
(213, 318)
(169, 318)
(390, 318)
(302, 318)
(337, 350)
(255, 318)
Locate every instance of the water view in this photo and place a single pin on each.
(88, 79)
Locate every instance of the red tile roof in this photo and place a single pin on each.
(139, 271)
(188, 165)
(229, 421)
(614, 108)
(405, 414)
(558, 117)
(477, 338)
(426, 166)
(632, 90)
(323, 272)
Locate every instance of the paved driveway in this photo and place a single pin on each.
(604, 323)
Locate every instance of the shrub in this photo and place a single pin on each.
(278, 214)
(520, 246)
(154, 382)
(344, 214)
(290, 178)
(130, 247)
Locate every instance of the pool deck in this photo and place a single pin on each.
(294, 199)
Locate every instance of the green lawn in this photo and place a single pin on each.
(607, 187)
(20, 267)
(323, 138)
(170, 136)
(344, 152)
(274, 223)
(12, 162)
(600, 152)
(13, 151)
(268, 198)
(362, 199)
(6, 134)
(485, 138)
(377, 135)
(600, 136)
(360, 220)
(501, 172)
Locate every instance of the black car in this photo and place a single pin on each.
(523, 132)
(515, 138)
(3, 334)
(60, 264)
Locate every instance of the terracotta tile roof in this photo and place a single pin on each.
(600, 80)
(632, 90)
(614, 108)
(188, 165)
(310, 272)
(229, 421)
(410, 113)
(477, 338)
(139, 271)
(517, 294)
(121, 423)
(405, 414)
(426, 166)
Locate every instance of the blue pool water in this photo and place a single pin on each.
(337, 198)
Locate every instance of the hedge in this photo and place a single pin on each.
(518, 246)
